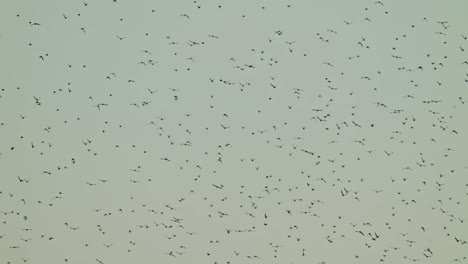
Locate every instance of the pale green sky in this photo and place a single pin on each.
(234, 95)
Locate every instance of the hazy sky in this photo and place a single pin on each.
(233, 131)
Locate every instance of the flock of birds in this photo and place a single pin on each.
(233, 132)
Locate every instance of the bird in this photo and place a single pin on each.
(210, 132)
